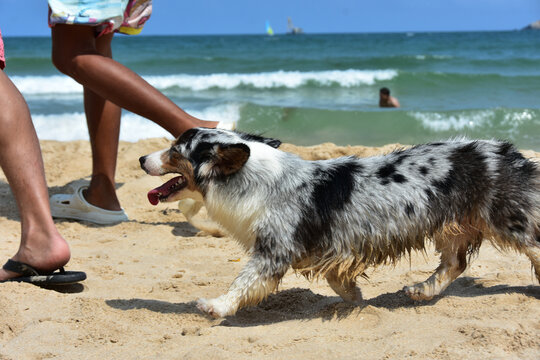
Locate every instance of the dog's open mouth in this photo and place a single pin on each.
(161, 193)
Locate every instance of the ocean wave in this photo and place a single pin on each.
(72, 126)
(42, 85)
(435, 121)
(271, 80)
(508, 120)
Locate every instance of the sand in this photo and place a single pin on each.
(144, 275)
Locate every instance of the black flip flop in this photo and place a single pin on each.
(36, 277)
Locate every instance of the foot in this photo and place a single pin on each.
(216, 308)
(206, 124)
(46, 253)
(419, 292)
(102, 193)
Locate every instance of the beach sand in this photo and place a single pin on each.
(144, 275)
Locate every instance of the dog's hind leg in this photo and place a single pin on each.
(453, 251)
(344, 287)
(255, 282)
(533, 252)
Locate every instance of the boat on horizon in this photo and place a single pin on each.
(291, 29)
(269, 29)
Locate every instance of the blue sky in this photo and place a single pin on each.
(28, 17)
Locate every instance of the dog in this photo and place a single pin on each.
(335, 218)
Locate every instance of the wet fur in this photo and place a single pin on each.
(335, 218)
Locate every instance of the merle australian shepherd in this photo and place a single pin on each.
(334, 218)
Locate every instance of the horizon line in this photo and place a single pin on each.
(306, 33)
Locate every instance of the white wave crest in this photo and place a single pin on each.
(277, 79)
(42, 85)
(72, 126)
(460, 121)
(519, 117)
(58, 84)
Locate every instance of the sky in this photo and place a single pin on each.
(181, 17)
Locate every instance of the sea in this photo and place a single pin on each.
(312, 88)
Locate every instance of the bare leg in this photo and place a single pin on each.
(75, 54)
(20, 157)
(453, 263)
(103, 120)
(346, 288)
(252, 285)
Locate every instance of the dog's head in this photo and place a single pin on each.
(199, 156)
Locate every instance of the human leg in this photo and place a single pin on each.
(103, 120)
(20, 158)
(74, 53)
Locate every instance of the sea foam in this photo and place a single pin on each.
(72, 126)
(453, 121)
(58, 84)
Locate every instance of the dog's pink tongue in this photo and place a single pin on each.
(161, 191)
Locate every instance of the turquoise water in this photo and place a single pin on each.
(310, 89)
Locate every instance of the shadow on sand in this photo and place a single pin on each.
(303, 304)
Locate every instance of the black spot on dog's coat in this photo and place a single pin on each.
(333, 190)
(398, 178)
(400, 158)
(466, 183)
(445, 185)
(515, 177)
(423, 170)
(331, 193)
(386, 171)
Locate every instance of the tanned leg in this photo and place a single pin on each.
(75, 54)
(20, 157)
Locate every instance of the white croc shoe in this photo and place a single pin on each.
(75, 206)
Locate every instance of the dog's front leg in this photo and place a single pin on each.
(258, 279)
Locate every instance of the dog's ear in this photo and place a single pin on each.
(230, 158)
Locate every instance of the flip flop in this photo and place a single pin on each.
(36, 277)
(75, 206)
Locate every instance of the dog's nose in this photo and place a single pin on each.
(142, 160)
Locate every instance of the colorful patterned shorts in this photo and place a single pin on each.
(2, 59)
(124, 16)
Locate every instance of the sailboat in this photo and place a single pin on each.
(269, 29)
(293, 30)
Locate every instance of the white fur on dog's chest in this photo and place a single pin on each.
(236, 218)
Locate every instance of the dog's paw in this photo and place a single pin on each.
(213, 307)
(189, 207)
(354, 296)
(417, 292)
